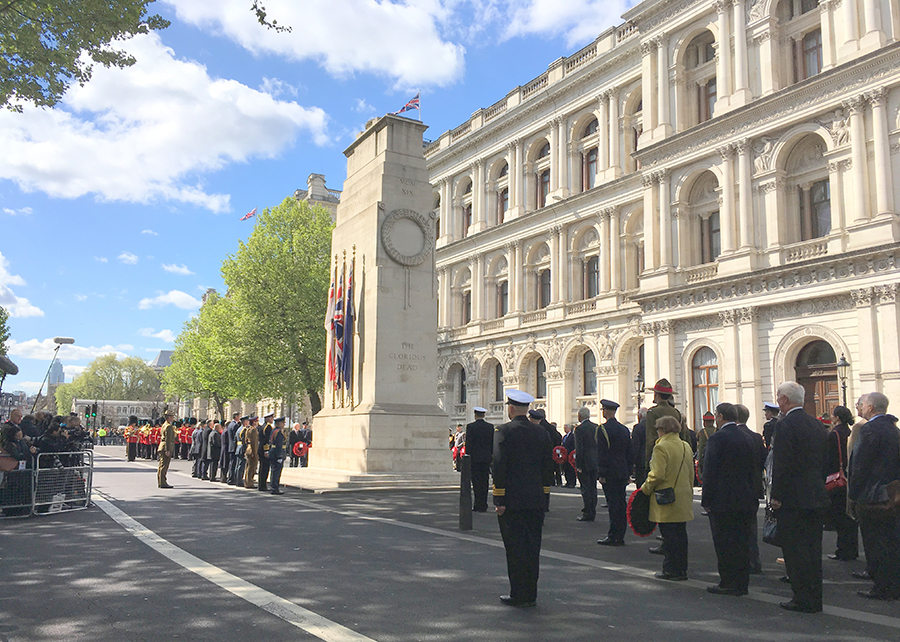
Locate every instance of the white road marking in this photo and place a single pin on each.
(312, 623)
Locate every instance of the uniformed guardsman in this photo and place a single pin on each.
(265, 432)
(523, 473)
(771, 411)
(166, 449)
(480, 447)
(131, 437)
(237, 473)
(145, 441)
(277, 454)
(251, 451)
(614, 470)
(664, 406)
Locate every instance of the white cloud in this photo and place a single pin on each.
(17, 306)
(128, 258)
(176, 269)
(150, 232)
(363, 107)
(148, 132)
(81, 297)
(177, 298)
(579, 21)
(400, 41)
(101, 259)
(166, 335)
(43, 350)
(25, 211)
(275, 87)
(30, 387)
(73, 371)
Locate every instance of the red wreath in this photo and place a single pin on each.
(301, 448)
(638, 513)
(560, 454)
(572, 460)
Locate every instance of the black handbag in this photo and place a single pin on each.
(667, 495)
(770, 528)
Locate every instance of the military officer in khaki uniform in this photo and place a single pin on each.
(166, 449)
(251, 445)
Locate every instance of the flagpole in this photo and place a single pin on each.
(344, 305)
(331, 351)
(352, 330)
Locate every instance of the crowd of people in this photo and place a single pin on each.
(243, 452)
(835, 471)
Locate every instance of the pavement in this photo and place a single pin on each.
(207, 561)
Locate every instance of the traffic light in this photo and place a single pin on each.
(87, 412)
(93, 410)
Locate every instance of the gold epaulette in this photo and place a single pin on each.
(546, 489)
(499, 492)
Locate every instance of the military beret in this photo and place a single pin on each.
(518, 398)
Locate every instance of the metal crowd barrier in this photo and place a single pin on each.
(59, 482)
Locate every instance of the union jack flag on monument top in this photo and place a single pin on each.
(409, 106)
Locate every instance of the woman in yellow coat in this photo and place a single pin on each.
(672, 466)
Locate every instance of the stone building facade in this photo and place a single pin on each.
(708, 192)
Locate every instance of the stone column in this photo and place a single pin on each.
(726, 212)
(603, 127)
(442, 301)
(685, 236)
(723, 49)
(512, 178)
(554, 264)
(520, 170)
(665, 337)
(651, 358)
(446, 212)
(665, 219)
(554, 156)
(867, 359)
(604, 251)
(651, 253)
(563, 155)
(836, 180)
(874, 36)
(859, 175)
(745, 195)
(615, 252)
(647, 93)
(479, 206)
(887, 315)
(662, 90)
(742, 94)
(477, 263)
(884, 189)
(750, 374)
(560, 273)
(520, 279)
(729, 369)
(826, 8)
(614, 162)
(851, 28)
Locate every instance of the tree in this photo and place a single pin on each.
(46, 46)
(4, 330)
(108, 378)
(208, 360)
(279, 282)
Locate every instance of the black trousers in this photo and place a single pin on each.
(521, 532)
(204, 468)
(263, 472)
(213, 468)
(675, 540)
(588, 481)
(557, 475)
(614, 490)
(225, 464)
(881, 537)
(132, 451)
(753, 535)
(801, 532)
(731, 538)
(569, 472)
(480, 472)
(846, 527)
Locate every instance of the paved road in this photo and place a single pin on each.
(206, 561)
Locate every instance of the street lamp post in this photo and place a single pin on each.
(639, 389)
(843, 367)
(59, 341)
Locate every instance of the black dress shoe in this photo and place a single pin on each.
(166, 486)
(720, 590)
(674, 577)
(840, 558)
(657, 550)
(608, 541)
(784, 579)
(861, 575)
(512, 601)
(278, 492)
(799, 608)
(876, 595)
(585, 518)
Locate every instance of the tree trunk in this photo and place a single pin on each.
(315, 402)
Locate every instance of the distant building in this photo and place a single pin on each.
(116, 412)
(162, 360)
(57, 376)
(317, 194)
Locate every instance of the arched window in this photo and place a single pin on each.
(590, 128)
(588, 363)
(700, 66)
(705, 383)
(545, 151)
(807, 173)
(504, 171)
(540, 378)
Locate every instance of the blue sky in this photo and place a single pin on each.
(118, 206)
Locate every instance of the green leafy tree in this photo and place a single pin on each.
(109, 378)
(4, 330)
(46, 45)
(208, 357)
(279, 282)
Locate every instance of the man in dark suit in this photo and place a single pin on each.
(614, 470)
(638, 447)
(568, 442)
(204, 448)
(771, 411)
(731, 496)
(761, 451)
(798, 496)
(265, 433)
(586, 463)
(480, 447)
(523, 472)
(874, 463)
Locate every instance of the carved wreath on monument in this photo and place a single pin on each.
(407, 237)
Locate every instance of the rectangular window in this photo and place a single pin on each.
(544, 288)
(467, 307)
(815, 210)
(591, 277)
(467, 219)
(498, 383)
(540, 376)
(812, 53)
(502, 298)
(543, 188)
(590, 169)
(710, 238)
(502, 205)
(706, 100)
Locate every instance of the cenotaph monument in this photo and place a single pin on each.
(385, 429)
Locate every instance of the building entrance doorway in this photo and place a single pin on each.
(817, 372)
